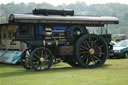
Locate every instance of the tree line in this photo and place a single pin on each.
(81, 8)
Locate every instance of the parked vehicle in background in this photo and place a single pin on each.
(113, 43)
(119, 37)
(120, 50)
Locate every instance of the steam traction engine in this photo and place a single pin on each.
(51, 34)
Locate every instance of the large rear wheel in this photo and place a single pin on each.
(91, 51)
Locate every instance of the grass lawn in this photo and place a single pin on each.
(114, 72)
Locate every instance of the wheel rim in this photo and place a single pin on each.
(41, 59)
(92, 51)
(24, 59)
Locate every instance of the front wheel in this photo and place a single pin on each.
(41, 59)
(91, 51)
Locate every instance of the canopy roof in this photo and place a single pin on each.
(30, 18)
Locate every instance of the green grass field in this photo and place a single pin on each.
(114, 72)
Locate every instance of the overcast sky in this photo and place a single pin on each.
(58, 2)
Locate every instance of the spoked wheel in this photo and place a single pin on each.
(91, 51)
(24, 59)
(71, 61)
(41, 59)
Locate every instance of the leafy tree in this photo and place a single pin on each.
(80, 8)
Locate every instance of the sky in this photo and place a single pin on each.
(58, 2)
